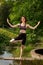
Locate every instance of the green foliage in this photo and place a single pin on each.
(26, 51)
(5, 11)
(29, 8)
(16, 52)
(5, 35)
(32, 10)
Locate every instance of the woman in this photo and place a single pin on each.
(22, 36)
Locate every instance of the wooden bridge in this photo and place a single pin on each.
(16, 58)
(20, 59)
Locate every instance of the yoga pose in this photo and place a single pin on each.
(22, 35)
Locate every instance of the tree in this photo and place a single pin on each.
(32, 10)
(5, 11)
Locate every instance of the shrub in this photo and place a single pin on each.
(5, 36)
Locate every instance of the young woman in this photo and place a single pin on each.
(22, 35)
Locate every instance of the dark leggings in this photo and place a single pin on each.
(22, 36)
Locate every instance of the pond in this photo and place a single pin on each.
(7, 54)
(6, 62)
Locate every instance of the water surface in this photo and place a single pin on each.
(6, 62)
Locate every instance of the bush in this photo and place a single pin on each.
(5, 36)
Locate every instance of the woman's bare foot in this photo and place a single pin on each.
(11, 40)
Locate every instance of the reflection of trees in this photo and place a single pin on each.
(10, 64)
(1, 51)
(17, 62)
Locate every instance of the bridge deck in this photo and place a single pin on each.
(16, 58)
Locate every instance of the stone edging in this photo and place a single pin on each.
(35, 55)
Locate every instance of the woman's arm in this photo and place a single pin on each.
(13, 26)
(28, 26)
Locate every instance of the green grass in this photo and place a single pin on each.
(7, 33)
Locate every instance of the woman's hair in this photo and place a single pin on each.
(25, 19)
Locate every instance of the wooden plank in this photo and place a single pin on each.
(16, 58)
(20, 59)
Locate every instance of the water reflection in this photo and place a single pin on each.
(6, 54)
(6, 62)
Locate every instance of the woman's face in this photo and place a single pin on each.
(23, 19)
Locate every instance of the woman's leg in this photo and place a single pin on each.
(22, 46)
(15, 41)
(21, 50)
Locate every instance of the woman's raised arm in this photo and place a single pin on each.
(28, 26)
(13, 26)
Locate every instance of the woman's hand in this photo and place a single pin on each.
(28, 26)
(13, 26)
(9, 23)
(38, 22)
(7, 20)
